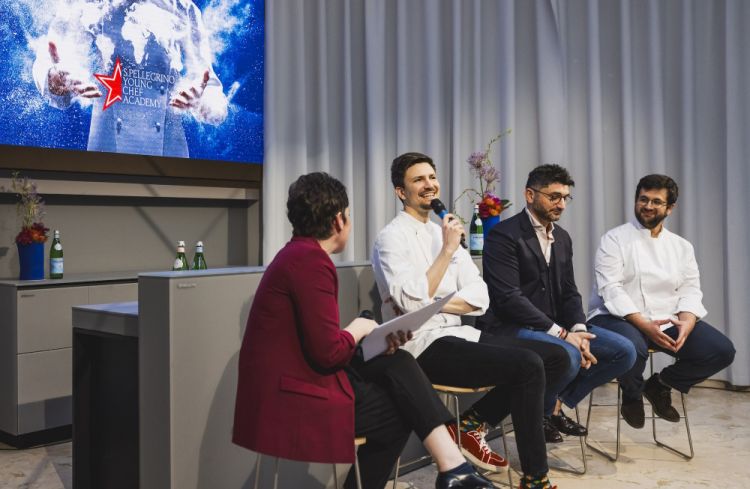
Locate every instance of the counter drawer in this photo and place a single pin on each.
(45, 318)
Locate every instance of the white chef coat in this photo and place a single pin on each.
(404, 251)
(657, 277)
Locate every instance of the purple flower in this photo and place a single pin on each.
(490, 175)
(476, 160)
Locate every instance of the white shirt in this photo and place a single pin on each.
(404, 251)
(544, 235)
(657, 277)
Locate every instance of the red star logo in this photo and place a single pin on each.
(114, 85)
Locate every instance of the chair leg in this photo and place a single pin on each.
(356, 472)
(276, 474)
(257, 470)
(582, 441)
(335, 477)
(687, 429)
(598, 450)
(505, 447)
(583, 454)
(458, 419)
(398, 467)
(684, 416)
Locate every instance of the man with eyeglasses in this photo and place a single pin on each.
(528, 267)
(648, 290)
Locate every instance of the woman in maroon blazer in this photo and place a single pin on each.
(302, 392)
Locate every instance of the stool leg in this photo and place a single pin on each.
(619, 407)
(583, 455)
(598, 450)
(684, 416)
(257, 470)
(276, 474)
(458, 419)
(583, 445)
(505, 447)
(395, 477)
(356, 472)
(687, 429)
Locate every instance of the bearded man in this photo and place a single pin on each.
(648, 290)
(528, 267)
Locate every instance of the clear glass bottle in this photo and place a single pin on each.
(180, 262)
(476, 233)
(199, 261)
(56, 257)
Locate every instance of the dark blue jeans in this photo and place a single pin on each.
(706, 351)
(615, 356)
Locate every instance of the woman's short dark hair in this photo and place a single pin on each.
(314, 200)
(544, 175)
(404, 162)
(658, 182)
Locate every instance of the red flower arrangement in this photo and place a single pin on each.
(30, 209)
(36, 233)
(481, 167)
(491, 205)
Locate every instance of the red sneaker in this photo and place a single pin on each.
(475, 449)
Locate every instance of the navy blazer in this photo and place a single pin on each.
(524, 291)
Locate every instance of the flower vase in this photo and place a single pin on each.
(488, 223)
(31, 259)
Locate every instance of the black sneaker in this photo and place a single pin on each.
(660, 397)
(551, 435)
(632, 412)
(473, 480)
(566, 425)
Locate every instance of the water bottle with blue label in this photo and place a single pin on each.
(56, 257)
(476, 233)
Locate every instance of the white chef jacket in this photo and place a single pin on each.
(657, 277)
(163, 46)
(404, 251)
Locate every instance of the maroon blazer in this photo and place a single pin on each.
(293, 399)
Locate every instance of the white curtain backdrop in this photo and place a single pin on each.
(611, 90)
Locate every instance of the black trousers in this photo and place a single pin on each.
(517, 369)
(393, 397)
(706, 351)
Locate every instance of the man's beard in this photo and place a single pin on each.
(650, 223)
(549, 215)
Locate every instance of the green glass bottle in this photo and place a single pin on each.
(199, 261)
(180, 262)
(56, 257)
(476, 233)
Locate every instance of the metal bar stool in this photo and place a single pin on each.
(358, 441)
(653, 417)
(453, 392)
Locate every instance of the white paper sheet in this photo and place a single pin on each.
(374, 344)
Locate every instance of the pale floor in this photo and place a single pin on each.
(720, 427)
(719, 421)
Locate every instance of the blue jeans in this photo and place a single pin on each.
(706, 351)
(615, 355)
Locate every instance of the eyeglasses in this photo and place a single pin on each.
(644, 201)
(554, 198)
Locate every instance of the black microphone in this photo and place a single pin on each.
(441, 211)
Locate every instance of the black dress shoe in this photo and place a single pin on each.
(551, 435)
(447, 480)
(660, 397)
(566, 425)
(632, 412)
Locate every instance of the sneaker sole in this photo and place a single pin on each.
(484, 465)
